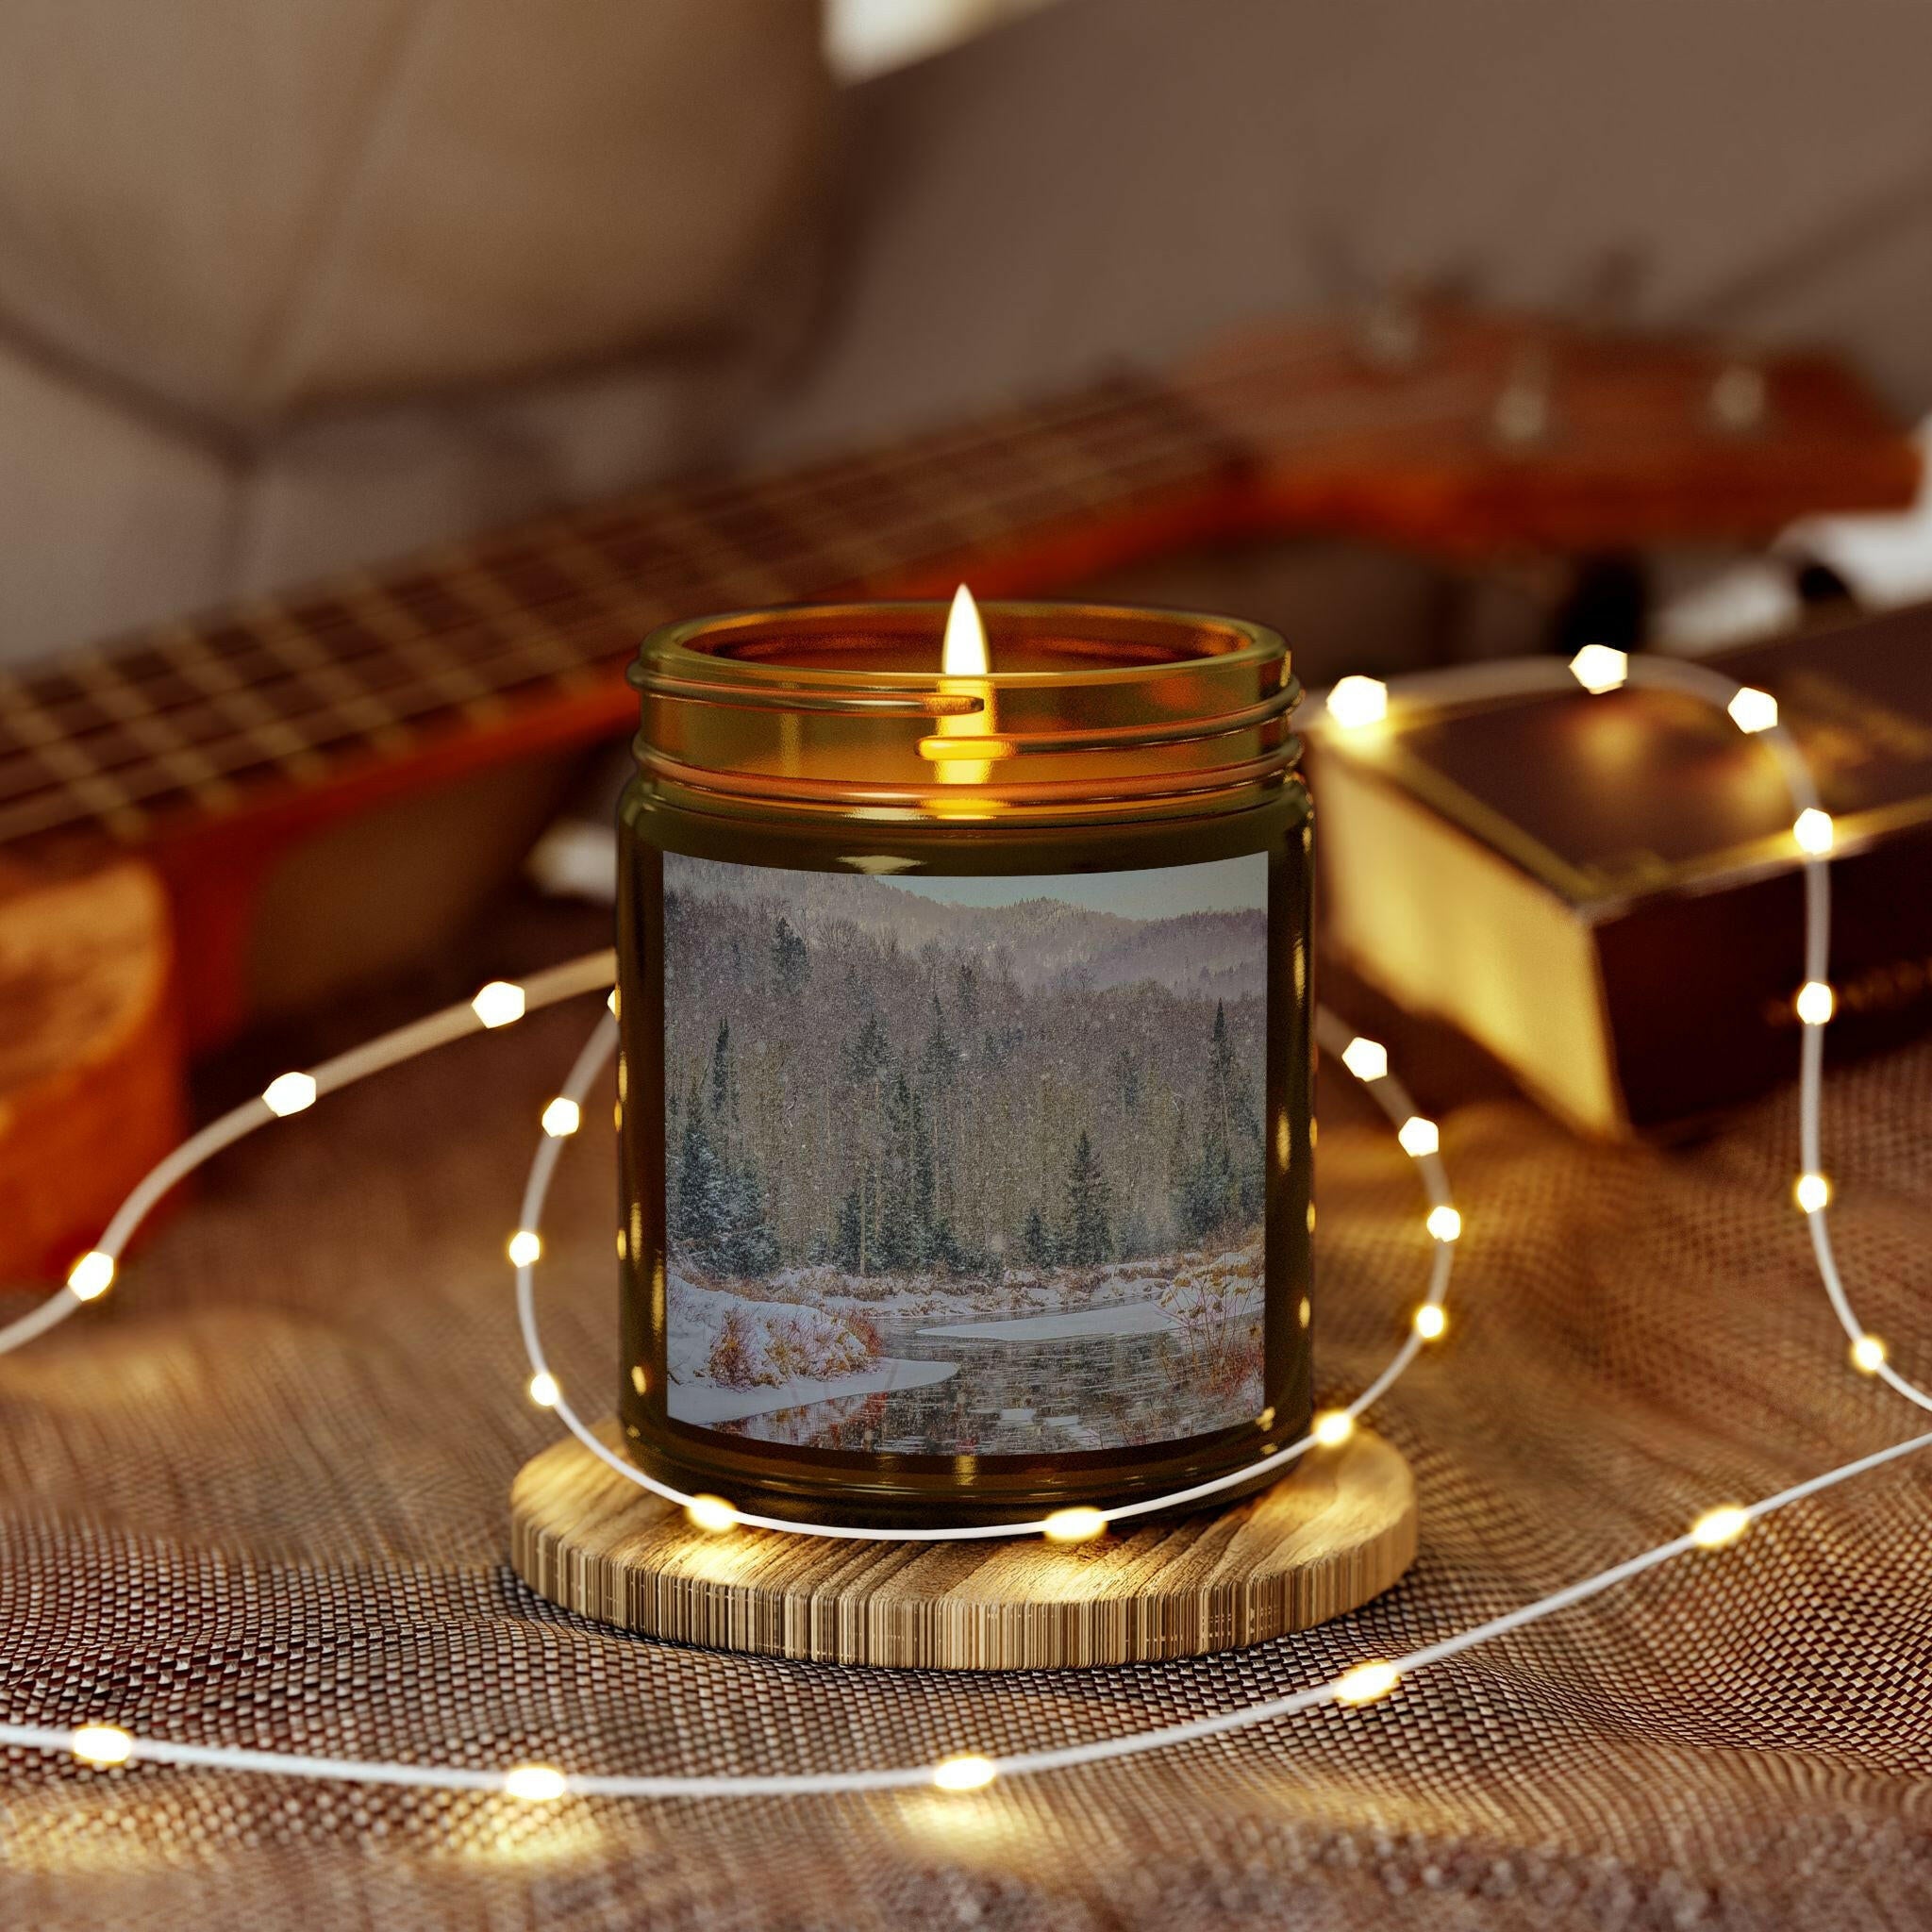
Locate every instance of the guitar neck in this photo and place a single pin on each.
(516, 641)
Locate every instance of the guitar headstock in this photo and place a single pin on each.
(1468, 433)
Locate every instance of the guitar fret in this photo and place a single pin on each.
(177, 755)
(423, 651)
(557, 604)
(552, 645)
(103, 797)
(188, 650)
(723, 562)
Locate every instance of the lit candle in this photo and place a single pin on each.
(963, 659)
(965, 1059)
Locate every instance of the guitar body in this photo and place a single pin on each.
(92, 1062)
(224, 819)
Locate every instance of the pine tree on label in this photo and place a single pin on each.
(1218, 1187)
(791, 962)
(718, 1214)
(1087, 1233)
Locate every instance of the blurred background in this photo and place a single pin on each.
(1550, 326)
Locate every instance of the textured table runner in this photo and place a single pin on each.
(258, 1497)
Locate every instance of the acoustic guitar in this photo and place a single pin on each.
(154, 788)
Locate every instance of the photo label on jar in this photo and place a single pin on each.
(965, 1166)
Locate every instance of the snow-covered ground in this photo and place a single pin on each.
(738, 1342)
(809, 1336)
(707, 1404)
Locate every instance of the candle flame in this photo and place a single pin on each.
(964, 665)
(963, 654)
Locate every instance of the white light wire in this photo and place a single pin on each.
(594, 973)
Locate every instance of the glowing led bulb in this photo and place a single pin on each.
(1430, 1321)
(1418, 1135)
(92, 1275)
(1333, 1427)
(562, 1117)
(1716, 1527)
(498, 1003)
(536, 1784)
(1445, 1224)
(525, 1247)
(1815, 1002)
(1367, 1060)
(1366, 1683)
(1868, 1355)
(543, 1389)
(1813, 1193)
(1812, 830)
(289, 1093)
(1753, 710)
(969, 1772)
(1073, 1525)
(713, 1514)
(1358, 701)
(1597, 668)
(101, 1744)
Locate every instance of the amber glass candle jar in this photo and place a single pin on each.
(964, 1077)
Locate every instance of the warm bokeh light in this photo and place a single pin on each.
(969, 1772)
(498, 1003)
(1333, 1427)
(1813, 1193)
(536, 1784)
(1814, 831)
(1716, 1527)
(1366, 1683)
(1075, 1525)
(1597, 668)
(1868, 1355)
(92, 1275)
(102, 1745)
(1418, 1137)
(1445, 1224)
(525, 1247)
(1358, 701)
(1815, 1002)
(1751, 710)
(562, 1118)
(713, 1514)
(1431, 1322)
(545, 1390)
(289, 1093)
(1366, 1059)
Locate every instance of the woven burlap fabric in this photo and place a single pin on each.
(259, 1497)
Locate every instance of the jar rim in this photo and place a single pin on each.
(670, 645)
(1190, 712)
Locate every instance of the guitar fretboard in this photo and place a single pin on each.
(198, 716)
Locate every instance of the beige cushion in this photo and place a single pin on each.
(286, 287)
(252, 206)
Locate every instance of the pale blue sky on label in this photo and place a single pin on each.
(1221, 885)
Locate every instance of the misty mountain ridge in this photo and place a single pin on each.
(1039, 941)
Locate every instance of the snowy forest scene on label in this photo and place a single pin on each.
(965, 1166)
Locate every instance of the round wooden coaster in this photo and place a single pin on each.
(1325, 1540)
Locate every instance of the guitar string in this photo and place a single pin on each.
(236, 749)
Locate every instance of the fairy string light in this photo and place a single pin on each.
(1354, 704)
